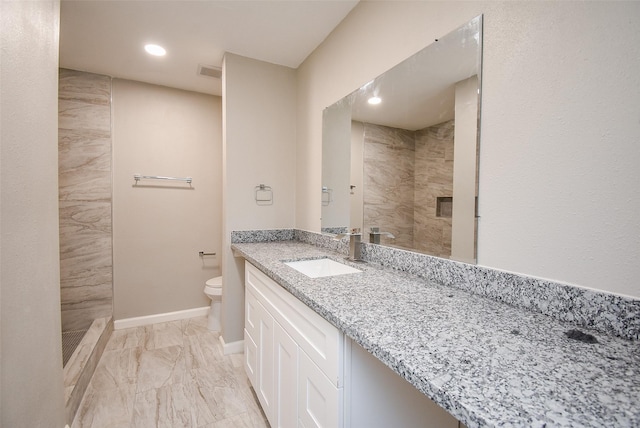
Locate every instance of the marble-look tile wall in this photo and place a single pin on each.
(389, 176)
(404, 174)
(434, 179)
(84, 162)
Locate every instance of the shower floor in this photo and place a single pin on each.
(70, 341)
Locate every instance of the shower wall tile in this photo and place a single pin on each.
(84, 165)
(90, 144)
(84, 181)
(76, 319)
(389, 181)
(434, 178)
(404, 174)
(93, 218)
(84, 87)
(87, 298)
(83, 116)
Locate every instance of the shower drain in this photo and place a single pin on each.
(70, 341)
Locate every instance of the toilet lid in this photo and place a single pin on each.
(215, 282)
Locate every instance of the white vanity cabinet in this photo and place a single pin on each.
(307, 374)
(293, 357)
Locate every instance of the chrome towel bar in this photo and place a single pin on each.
(139, 177)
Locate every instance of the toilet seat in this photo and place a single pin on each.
(213, 287)
(213, 290)
(215, 282)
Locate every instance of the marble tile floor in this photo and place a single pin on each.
(171, 374)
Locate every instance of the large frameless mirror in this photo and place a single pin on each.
(400, 154)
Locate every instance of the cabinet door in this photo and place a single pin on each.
(286, 375)
(250, 357)
(319, 401)
(251, 322)
(265, 361)
(251, 314)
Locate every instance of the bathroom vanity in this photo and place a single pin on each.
(305, 372)
(383, 348)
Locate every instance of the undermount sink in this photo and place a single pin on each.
(318, 268)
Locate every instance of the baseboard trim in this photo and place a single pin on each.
(233, 347)
(156, 318)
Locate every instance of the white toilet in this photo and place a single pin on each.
(213, 289)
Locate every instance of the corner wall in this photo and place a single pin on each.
(31, 388)
(559, 183)
(259, 117)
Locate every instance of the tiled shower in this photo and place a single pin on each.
(406, 175)
(84, 189)
(84, 162)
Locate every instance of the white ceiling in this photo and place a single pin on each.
(108, 36)
(420, 91)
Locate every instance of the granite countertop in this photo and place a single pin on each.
(485, 362)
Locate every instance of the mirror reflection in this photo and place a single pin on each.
(400, 154)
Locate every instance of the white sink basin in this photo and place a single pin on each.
(321, 267)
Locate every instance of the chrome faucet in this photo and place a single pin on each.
(374, 235)
(355, 243)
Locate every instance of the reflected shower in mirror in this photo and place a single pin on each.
(400, 154)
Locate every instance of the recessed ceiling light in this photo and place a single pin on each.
(374, 100)
(155, 50)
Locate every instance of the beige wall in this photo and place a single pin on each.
(84, 183)
(159, 227)
(337, 167)
(559, 179)
(259, 148)
(356, 205)
(463, 233)
(31, 390)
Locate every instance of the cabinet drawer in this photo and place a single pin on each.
(320, 340)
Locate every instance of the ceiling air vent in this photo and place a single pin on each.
(210, 71)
